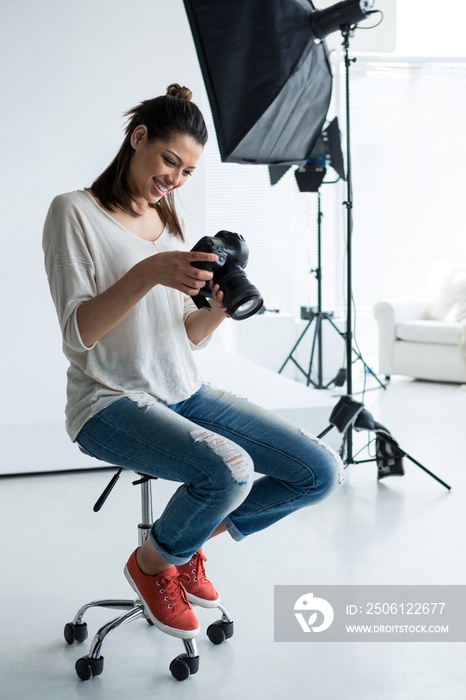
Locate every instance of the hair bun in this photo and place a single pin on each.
(182, 92)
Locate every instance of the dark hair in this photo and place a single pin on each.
(165, 116)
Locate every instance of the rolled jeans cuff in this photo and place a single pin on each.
(169, 558)
(233, 530)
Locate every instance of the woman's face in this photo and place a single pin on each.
(157, 167)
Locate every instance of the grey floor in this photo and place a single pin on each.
(56, 554)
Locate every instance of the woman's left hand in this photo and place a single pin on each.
(200, 324)
(217, 297)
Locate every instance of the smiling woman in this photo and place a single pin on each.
(157, 168)
(161, 135)
(122, 277)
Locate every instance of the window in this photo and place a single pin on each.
(408, 141)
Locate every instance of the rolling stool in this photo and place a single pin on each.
(93, 664)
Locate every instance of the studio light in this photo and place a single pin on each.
(269, 84)
(267, 73)
(334, 18)
(326, 153)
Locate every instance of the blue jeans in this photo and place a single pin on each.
(212, 443)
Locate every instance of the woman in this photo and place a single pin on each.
(121, 277)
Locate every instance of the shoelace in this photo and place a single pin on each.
(198, 563)
(173, 589)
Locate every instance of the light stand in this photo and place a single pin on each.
(348, 414)
(316, 317)
(309, 178)
(345, 31)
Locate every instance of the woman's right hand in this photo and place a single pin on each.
(97, 316)
(175, 269)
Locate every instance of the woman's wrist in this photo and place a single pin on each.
(202, 323)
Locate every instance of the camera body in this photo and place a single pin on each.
(241, 298)
(230, 247)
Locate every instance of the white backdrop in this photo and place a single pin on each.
(68, 72)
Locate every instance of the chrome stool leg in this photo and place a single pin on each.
(147, 515)
(222, 629)
(93, 664)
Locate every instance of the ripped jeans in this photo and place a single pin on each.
(212, 444)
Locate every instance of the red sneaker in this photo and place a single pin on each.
(164, 599)
(199, 590)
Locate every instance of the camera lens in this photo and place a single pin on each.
(247, 309)
(241, 298)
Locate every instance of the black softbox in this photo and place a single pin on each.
(268, 82)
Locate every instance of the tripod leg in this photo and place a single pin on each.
(418, 464)
(324, 432)
(316, 342)
(290, 355)
(366, 367)
(358, 354)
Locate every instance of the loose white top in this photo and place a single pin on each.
(148, 355)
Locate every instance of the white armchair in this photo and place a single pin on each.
(426, 338)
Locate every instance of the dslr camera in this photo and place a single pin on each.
(240, 298)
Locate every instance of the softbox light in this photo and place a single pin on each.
(268, 82)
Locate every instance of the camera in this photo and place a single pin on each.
(240, 298)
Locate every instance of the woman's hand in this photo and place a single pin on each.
(217, 297)
(175, 269)
(97, 316)
(202, 323)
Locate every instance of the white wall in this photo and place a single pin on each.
(68, 71)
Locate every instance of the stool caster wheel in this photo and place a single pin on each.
(75, 633)
(86, 667)
(184, 666)
(219, 631)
